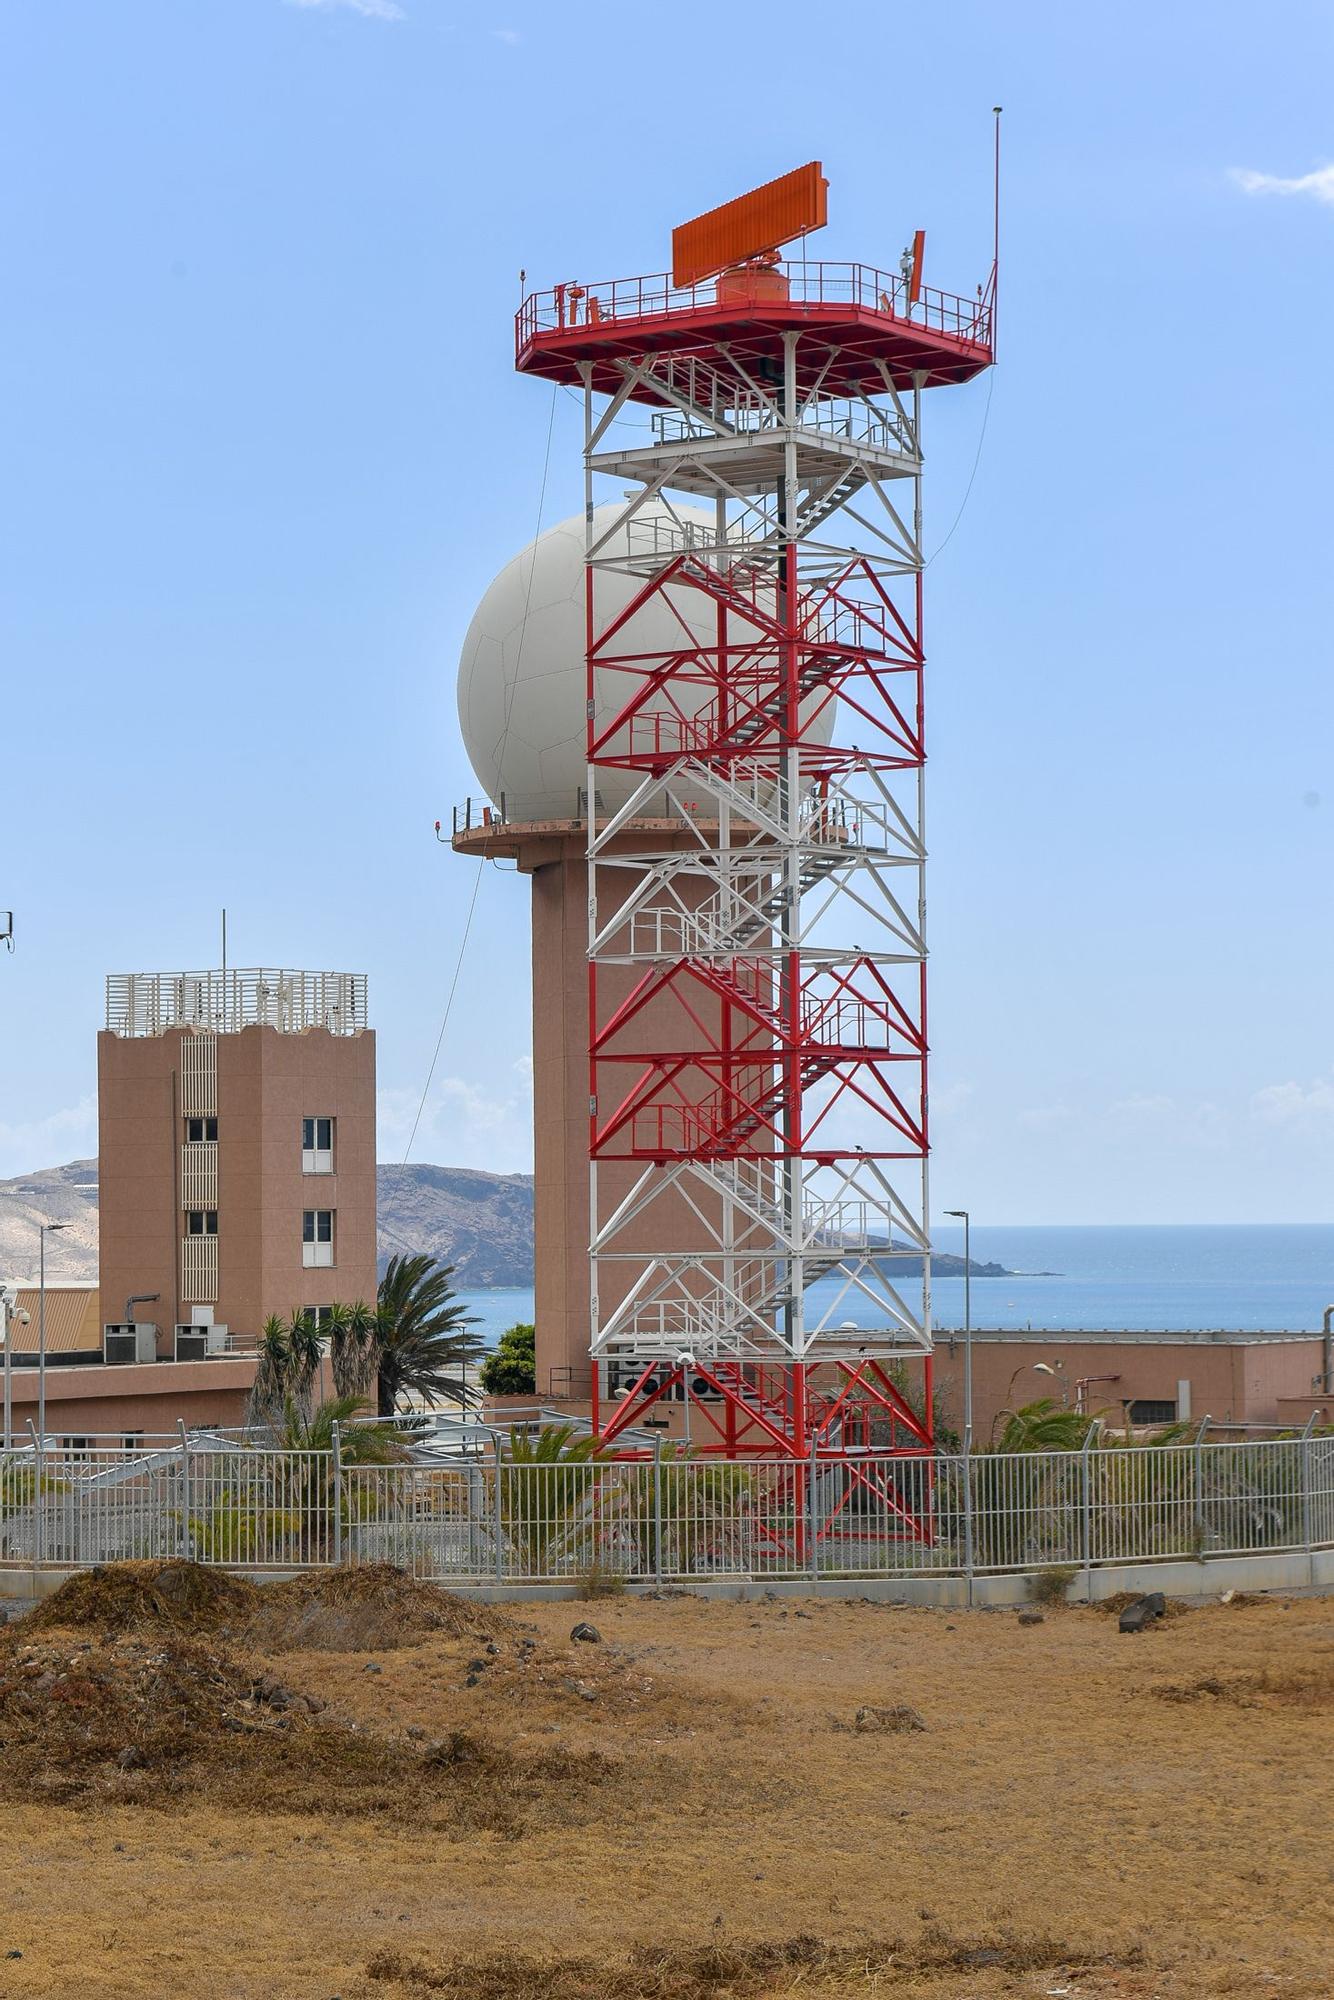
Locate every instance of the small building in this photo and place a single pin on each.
(1234, 1378)
(236, 1140)
(89, 1400)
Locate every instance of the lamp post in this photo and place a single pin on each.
(962, 1215)
(1039, 1368)
(44, 1229)
(11, 1315)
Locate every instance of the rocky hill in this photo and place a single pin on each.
(54, 1194)
(480, 1223)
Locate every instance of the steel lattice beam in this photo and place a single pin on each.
(757, 943)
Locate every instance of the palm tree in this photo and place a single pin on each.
(420, 1334)
(285, 1502)
(548, 1489)
(359, 1444)
(271, 1372)
(350, 1331)
(1043, 1425)
(305, 1348)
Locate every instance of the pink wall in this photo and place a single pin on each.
(1234, 1381)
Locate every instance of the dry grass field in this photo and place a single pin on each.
(211, 1795)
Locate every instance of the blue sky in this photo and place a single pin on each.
(263, 448)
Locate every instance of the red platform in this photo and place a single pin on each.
(875, 336)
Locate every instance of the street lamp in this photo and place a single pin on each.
(1039, 1368)
(44, 1229)
(11, 1315)
(962, 1215)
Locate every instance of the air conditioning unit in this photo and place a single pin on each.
(123, 1346)
(200, 1343)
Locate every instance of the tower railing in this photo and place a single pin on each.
(811, 284)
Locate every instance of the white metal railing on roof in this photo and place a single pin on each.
(148, 1003)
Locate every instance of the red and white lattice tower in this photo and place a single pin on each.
(757, 949)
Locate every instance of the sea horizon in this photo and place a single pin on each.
(1154, 1277)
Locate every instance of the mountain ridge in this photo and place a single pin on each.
(481, 1223)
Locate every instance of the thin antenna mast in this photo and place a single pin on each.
(995, 226)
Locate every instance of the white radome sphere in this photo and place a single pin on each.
(522, 676)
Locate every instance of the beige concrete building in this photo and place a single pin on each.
(236, 1115)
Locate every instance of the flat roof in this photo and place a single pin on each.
(1127, 1337)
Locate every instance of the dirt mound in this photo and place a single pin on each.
(140, 1596)
(371, 1609)
(746, 1969)
(130, 1702)
(156, 1720)
(374, 1608)
(1306, 1688)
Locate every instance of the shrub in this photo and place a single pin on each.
(598, 1581)
(1052, 1586)
(512, 1369)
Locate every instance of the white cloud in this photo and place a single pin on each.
(1319, 184)
(373, 10)
(462, 1125)
(1300, 1104)
(27, 1146)
(509, 36)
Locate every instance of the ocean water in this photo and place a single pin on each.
(1166, 1277)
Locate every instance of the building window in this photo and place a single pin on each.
(320, 1315)
(317, 1138)
(77, 1447)
(199, 1129)
(317, 1236)
(131, 1440)
(1152, 1410)
(201, 1222)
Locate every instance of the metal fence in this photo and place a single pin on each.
(665, 1517)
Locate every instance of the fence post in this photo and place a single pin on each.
(38, 1507)
(1086, 1502)
(813, 1512)
(496, 1530)
(1307, 1536)
(186, 1537)
(969, 1553)
(1199, 1484)
(336, 1432)
(657, 1510)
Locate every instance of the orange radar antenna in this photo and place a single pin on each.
(751, 226)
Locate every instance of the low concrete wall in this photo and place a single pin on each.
(1200, 1582)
